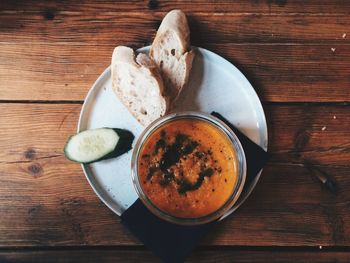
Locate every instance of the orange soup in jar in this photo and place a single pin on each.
(188, 168)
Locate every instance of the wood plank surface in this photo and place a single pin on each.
(288, 57)
(296, 55)
(207, 255)
(101, 28)
(238, 6)
(46, 201)
(278, 72)
(296, 133)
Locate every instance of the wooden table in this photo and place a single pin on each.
(295, 53)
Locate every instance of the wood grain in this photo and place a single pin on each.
(278, 72)
(296, 133)
(309, 133)
(56, 51)
(238, 6)
(293, 52)
(208, 255)
(45, 199)
(101, 28)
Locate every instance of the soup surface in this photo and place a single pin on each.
(188, 168)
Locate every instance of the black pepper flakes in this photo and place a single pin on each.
(162, 134)
(160, 144)
(145, 156)
(199, 155)
(185, 186)
(151, 172)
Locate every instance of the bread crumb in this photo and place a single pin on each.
(344, 35)
(333, 49)
(324, 128)
(334, 117)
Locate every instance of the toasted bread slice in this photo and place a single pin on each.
(171, 51)
(138, 84)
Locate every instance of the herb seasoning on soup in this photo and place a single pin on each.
(188, 168)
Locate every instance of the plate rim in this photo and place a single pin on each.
(263, 143)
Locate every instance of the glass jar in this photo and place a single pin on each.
(234, 143)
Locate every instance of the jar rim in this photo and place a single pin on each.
(220, 212)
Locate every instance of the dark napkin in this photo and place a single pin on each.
(171, 242)
(255, 156)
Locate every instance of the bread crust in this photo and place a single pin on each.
(171, 51)
(139, 105)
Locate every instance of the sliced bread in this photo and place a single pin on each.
(138, 84)
(171, 51)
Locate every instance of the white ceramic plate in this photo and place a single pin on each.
(215, 85)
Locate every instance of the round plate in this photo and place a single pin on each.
(214, 85)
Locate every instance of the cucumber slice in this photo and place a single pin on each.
(98, 144)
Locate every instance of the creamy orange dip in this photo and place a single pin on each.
(188, 168)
